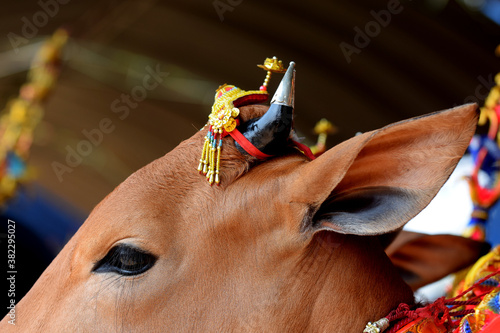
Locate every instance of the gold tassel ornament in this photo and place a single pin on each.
(223, 119)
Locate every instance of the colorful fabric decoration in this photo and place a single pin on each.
(474, 306)
(486, 154)
(481, 290)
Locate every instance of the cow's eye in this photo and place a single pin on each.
(125, 260)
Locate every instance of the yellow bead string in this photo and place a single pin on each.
(202, 167)
(221, 120)
(271, 65)
(266, 81)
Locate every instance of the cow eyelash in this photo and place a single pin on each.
(125, 260)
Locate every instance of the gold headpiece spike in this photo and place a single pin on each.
(322, 129)
(271, 65)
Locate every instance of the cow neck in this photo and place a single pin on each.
(361, 284)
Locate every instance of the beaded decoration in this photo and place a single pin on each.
(474, 306)
(223, 119)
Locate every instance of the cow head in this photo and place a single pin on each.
(286, 244)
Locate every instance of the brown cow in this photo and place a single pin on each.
(282, 245)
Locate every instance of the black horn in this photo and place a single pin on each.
(270, 132)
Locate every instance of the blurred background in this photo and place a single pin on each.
(360, 64)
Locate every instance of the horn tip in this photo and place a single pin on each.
(286, 90)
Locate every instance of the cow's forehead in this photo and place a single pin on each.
(169, 194)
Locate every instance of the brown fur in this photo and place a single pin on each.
(250, 255)
(423, 259)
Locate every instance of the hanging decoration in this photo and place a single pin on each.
(486, 155)
(223, 119)
(23, 113)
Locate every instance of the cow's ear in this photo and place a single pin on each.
(423, 259)
(375, 182)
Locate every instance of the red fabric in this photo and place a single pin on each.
(423, 325)
(255, 152)
(247, 145)
(250, 99)
(305, 149)
(471, 306)
(493, 326)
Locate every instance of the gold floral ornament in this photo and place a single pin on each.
(271, 65)
(223, 119)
